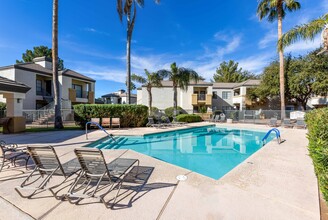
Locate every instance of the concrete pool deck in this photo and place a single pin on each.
(276, 182)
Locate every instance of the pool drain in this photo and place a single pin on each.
(182, 178)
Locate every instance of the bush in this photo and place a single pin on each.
(169, 111)
(130, 115)
(2, 106)
(317, 123)
(189, 118)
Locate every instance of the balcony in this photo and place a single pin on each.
(81, 96)
(197, 99)
(238, 99)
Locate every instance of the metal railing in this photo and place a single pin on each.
(201, 97)
(43, 92)
(257, 116)
(45, 118)
(82, 94)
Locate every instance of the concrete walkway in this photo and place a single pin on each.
(277, 182)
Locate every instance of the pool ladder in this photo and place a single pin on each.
(269, 132)
(101, 128)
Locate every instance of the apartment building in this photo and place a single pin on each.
(75, 88)
(119, 97)
(202, 95)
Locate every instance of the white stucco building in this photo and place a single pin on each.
(74, 87)
(212, 96)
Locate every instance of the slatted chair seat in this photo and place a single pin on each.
(47, 165)
(96, 171)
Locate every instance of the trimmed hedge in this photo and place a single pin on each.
(130, 115)
(169, 111)
(189, 118)
(317, 123)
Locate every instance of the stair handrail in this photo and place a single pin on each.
(100, 127)
(269, 132)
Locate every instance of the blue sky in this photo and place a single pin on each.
(194, 34)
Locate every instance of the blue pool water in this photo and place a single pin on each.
(210, 151)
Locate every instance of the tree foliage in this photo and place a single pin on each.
(39, 51)
(230, 72)
(305, 32)
(305, 75)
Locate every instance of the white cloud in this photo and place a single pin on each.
(255, 64)
(270, 37)
(301, 46)
(93, 30)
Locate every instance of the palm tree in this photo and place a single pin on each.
(58, 118)
(151, 80)
(307, 31)
(180, 77)
(276, 10)
(124, 7)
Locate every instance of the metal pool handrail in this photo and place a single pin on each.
(101, 128)
(269, 132)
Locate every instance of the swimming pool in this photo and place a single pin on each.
(211, 151)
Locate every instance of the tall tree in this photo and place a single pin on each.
(150, 80)
(180, 77)
(276, 10)
(230, 72)
(58, 119)
(129, 9)
(39, 51)
(307, 31)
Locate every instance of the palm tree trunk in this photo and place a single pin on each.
(281, 65)
(128, 67)
(150, 99)
(175, 100)
(58, 118)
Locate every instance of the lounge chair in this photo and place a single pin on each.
(216, 118)
(95, 169)
(210, 119)
(10, 153)
(151, 123)
(105, 122)
(300, 123)
(47, 165)
(222, 118)
(116, 122)
(273, 122)
(287, 123)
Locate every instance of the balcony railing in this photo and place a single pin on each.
(82, 94)
(201, 99)
(43, 92)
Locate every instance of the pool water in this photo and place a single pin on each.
(210, 151)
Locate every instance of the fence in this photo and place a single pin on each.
(45, 118)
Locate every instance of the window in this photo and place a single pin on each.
(226, 95)
(215, 95)
(78, 90)
(38, 87)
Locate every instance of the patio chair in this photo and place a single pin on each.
(95, 120)
(287, 123)
(10, 153)
(216, 118)
(222, 118)
(211, 118)
(95, 171)
(273, 122)
(300, 123)
(116, 122)
(151, 123)
(47, 165)
(105, 122)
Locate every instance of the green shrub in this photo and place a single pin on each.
(189, 118)
(317, 123)
(169, 111)
(2, 106)
(130, 115)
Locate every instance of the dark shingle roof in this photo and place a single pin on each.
(40, 69)
(74, 74)
(249, 82)
(12, 86)
(224, 85)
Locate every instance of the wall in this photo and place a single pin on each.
(9, 74)
(219, 103)
(29, 79)
(162, 97)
